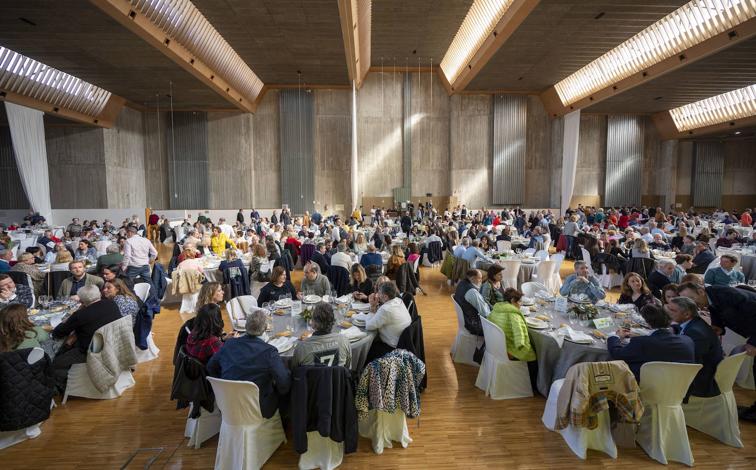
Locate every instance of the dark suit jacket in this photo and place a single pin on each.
(735, 309)
(701, 261)
(708, 353)
(471, 316)
(656, 281)
(317, 257)
(661, 345)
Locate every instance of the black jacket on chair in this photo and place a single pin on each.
(339, 279)
(435, 252)
(26, 390)
(190, 385)
(641, 266)
(405, 279)
(708, 350)
(656, 281)
(320, 260)
(411, 339)
(322, 399)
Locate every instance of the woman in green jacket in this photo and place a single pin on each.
(507, 316)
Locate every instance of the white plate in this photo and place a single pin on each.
(536, 324)
(283, 303)
(360, 306)
(312, 299)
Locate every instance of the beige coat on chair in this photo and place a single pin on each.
(112, 352)
(186, 282)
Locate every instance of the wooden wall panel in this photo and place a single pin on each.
(230, 160)
(430, 136)
(267, 156)
(124, 161)
(76, 163)
(470, 149)
(379, 134)
(333, 150)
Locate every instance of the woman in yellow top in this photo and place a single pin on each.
(218, 242)
(507, 316)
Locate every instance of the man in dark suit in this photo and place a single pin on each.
(661, 276)
(702, 257)
(661, 345)
(733, 308)
(319, 258)
(708, 348)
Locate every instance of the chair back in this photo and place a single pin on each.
(238, 400)
(496, 342)
(558, 259)
(666, 383)
(587, 258)
(503, 245)
(511, 268)
(142, 290)
(460, 315)
(240, 306)
(530, 289)
(102, 246)
(543, 255)
(727, 371)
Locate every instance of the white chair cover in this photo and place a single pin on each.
(731, 344)
(511, 272)
(498, 376)
(465, 343)
(102, 246)
(530, 289)
(587, 259)
(247, 440)
(322, 453)
(718, 416)
(10, 438)
(383, 428)
(662, 433)
(546, 275)
(238, 308)
(151, 353)
(198, 430)
(543, 255)
(503, 245)
(189, 302)
(580, 439)
(142, 290)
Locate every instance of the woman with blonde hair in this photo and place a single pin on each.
(640, 249)
(362, 286)
(259, 258)
(62, 259)
(360, 243)
(395, 261)
(210, 293)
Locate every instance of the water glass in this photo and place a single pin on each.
(752, 283)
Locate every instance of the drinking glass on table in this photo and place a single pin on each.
(752, 283)
(44, 301)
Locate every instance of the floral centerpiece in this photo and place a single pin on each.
(306, 313)
(585, 311)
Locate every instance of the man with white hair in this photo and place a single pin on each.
(79, 329)
(251, 358)
(665, 270)
(341, 257)
(112, 257)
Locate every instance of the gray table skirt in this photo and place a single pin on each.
(748, 263)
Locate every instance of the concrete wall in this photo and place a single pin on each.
(429, 109)
(157, 192)
(591, 164)
(332, 150)
(124, 161)
(470, 149)
(267, 163)
(230, 160)
(539, 163)
(739, 179)
(76, 161)
(379, 134)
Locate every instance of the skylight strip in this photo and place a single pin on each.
(480, 21)
(685, 27)
(736, 104)
(184, 23)
(27, 77)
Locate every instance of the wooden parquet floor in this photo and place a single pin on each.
(459, 427)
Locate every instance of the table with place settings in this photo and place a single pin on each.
(287, 328)
(561, 341)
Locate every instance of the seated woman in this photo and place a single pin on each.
(361, 285)
(360, 244)
(635, 291)
(491, 289)
(210, 293)
(86, 251)
(117, 291)
(324, 347)
(219, 241)
(640, 249)
(62, 260)
(395, 261)
(189, 252)
(207, 333)
(109, 273)
(507, 316)
(670, 291)
(259, 258)
(17, 331)
(277, 288)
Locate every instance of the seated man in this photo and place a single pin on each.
(94, 313)
(536, 238)
(708, 349)
(659, 243)
(371, 257)
(663, 275)
(323, 347)
(10, 293)
(314, 283)
(111, 257)
(661, 345)
(319, 257)
(390, 318)
(79, 278)
(6, 255)
(702, 257)
(729, 239)
(725, 274)
(472, 305)
(341, 257)
(582, 282)
(473, 253)
(250, 358)
(459, 250)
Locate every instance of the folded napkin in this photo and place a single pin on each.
(578, 336)
(353, 333)
(281, 343)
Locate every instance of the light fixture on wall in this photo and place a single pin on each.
(736, 104)
(691, 24)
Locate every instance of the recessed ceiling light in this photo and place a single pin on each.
(691, 24)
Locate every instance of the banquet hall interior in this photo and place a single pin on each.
(384, 234)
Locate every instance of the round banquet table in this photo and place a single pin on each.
(360, 347)
(524, 275)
